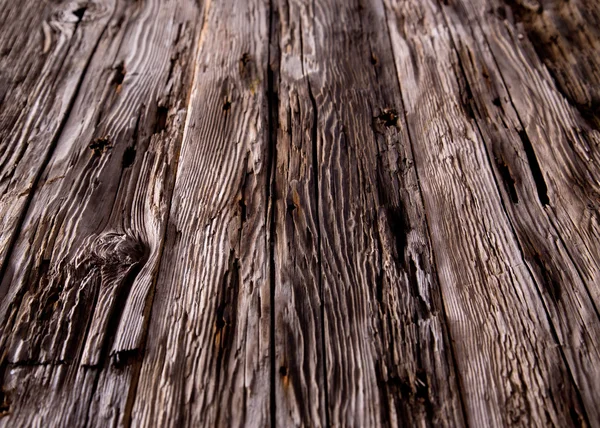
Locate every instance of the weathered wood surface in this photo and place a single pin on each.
(300, 213)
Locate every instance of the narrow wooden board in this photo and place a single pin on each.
(46, 51)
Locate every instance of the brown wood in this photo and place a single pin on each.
(299, 213)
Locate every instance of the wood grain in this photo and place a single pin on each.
(537, 208)
(85, 260)
(207, 361)
(46, 51)
(299, 213)
(495, 313)
(360, 250)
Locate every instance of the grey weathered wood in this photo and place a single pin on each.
(46, 50)
(496, 317)
(299, 213)
(86, 258)
(353, 265)
(207, 360)
(534, 189)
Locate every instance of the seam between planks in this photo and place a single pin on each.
(273, 125)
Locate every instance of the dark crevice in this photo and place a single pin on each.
(550, 282)
(130, 151)
(162, 114)
(446, 331)
(399, 226)
(508, 180)
(226, 315)
(126, 358)
(226, 322)
(536, 171)
(119, 75)
(80, 12)
(464, 88)
(128, 157)
(272, 125)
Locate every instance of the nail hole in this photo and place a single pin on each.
(80, 12)
(128, 157)
(100, 145)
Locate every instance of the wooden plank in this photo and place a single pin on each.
(496, 318)
(46, 49)
(80, 278)
(207, 362)
(350, 235)
(299, 213)
(532, 190)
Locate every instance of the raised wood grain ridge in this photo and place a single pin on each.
(299, 213)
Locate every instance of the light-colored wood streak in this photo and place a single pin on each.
(207, 360)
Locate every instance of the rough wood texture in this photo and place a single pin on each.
(299, 213)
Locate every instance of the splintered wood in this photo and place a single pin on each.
(300, 213)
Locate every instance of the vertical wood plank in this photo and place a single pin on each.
(46, 50)
(207, 361)
(353, 265)
(85, 261)
(496, 316)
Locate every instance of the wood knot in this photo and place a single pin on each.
(119, 249)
